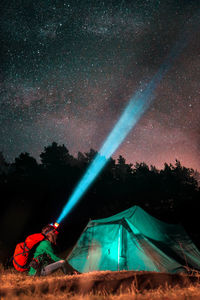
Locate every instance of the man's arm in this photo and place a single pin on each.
(49, 250)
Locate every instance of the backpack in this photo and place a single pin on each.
(22, 251)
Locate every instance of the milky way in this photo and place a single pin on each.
(68, 69)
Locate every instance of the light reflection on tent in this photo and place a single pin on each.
(134, 240)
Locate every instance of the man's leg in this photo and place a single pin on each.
(53, 267)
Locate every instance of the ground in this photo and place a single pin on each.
(123, 285)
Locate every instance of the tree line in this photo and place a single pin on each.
(33, 194)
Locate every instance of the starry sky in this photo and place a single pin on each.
(68, 69)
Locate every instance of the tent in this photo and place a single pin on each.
(134, 240)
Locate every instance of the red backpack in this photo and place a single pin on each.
(22, 251)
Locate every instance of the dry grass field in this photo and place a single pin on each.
(108, 285)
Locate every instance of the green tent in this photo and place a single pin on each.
(134, 240)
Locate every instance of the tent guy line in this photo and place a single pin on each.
(136, 107)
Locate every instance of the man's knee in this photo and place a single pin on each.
(62, 261)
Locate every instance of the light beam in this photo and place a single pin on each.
(136, 107)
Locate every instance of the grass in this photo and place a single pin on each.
(96, 286)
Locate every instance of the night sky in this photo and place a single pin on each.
(68, 69)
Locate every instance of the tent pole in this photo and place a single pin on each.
(119, 247)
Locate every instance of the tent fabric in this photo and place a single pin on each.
(134, 240)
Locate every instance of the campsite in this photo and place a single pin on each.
(141, 248)
(132, 252)
(99, 150)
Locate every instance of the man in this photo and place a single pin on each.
(44, 260)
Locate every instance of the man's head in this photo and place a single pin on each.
(50, 233)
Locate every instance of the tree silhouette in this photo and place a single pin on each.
(25, 163)
(184, 175)
(122, 170)
(90, 155)
(3, 164)
(81, 157)
(55, 155)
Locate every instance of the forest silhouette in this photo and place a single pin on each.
(33, 194)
